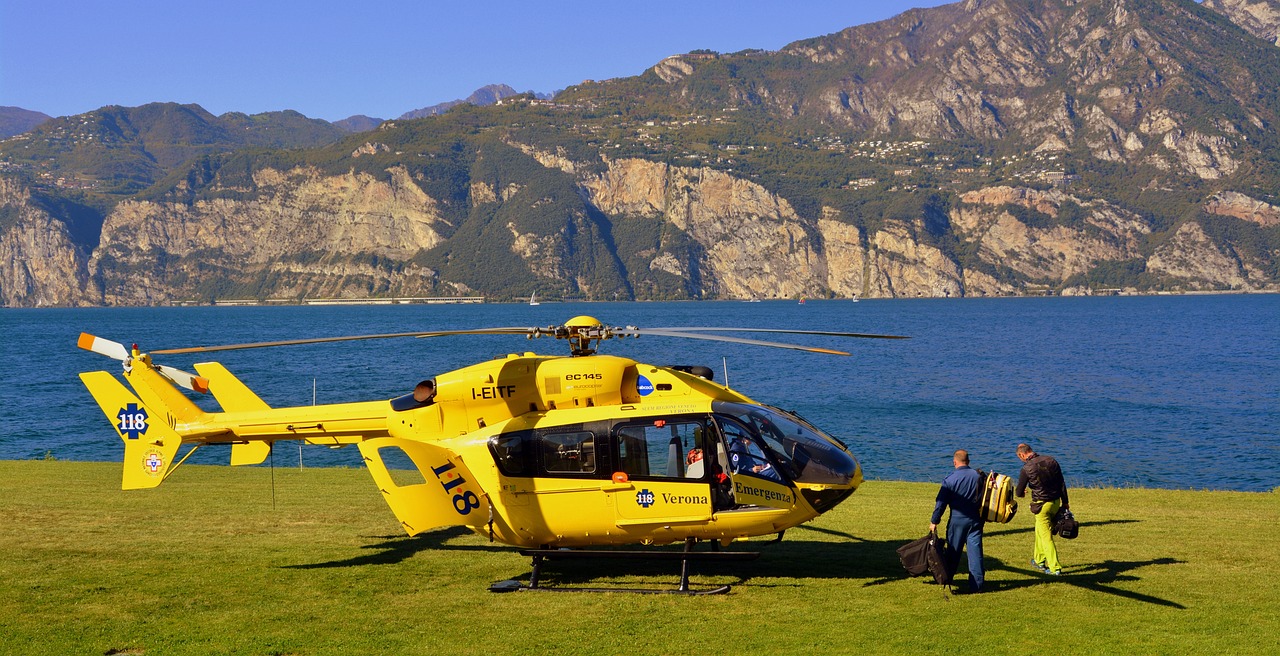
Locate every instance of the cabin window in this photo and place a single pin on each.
(661, 448)
(513, 453)
(568, 453)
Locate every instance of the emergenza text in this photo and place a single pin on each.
(739, 488)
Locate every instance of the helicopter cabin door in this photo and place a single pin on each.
(663, 460)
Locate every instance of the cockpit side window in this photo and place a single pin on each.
(745, 454)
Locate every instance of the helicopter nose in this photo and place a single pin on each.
(840, 476)
(828, 498)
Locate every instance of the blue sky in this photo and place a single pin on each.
(381, 58)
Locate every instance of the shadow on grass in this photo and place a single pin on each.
(1097, 577)
(852, 558)
(393, 549)
(1032, 529)
(633, 574)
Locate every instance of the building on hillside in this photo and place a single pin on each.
(1059, 177)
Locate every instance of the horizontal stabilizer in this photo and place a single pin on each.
(249, 453)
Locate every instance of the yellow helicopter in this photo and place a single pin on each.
(549, 453)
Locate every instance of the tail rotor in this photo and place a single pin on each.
(118, 351)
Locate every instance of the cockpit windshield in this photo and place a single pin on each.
(804, 453)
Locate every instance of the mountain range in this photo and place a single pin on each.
(16, 120)
(486, 95)
(986, 147)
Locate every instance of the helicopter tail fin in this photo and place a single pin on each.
(150, 444)
(234, 396)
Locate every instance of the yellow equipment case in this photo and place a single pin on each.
(997, 504)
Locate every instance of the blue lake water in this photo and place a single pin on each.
(1166, 392)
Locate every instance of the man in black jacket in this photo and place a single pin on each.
(1048, 495)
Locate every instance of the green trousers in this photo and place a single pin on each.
(1046, 553)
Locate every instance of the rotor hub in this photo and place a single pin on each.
(583, 333)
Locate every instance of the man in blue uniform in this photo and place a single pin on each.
(746, 457)
(964, 529)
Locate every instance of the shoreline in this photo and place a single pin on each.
(483, 300)
(1136, 488)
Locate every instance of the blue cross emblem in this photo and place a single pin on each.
(133, 421)
(645, 498)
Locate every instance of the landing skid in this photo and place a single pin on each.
(539, 555)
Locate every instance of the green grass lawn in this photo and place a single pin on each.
(210, 564)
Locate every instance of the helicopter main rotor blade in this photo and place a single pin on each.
(657, 332)
(691, 332)
(348, 338)
(781, 330)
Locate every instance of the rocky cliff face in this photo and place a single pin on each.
(1135, 81)
(303, 234)
(1240, 206)
(1190, 254)
(754, 243)
(756, 246)
(290, 212)
(309, 234)
(1260, 18)
(1043, 250)
(41, 265)
(1201, 262)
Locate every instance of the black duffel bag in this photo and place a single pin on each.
(912, 555)
(1065, 525)
(925, 556)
